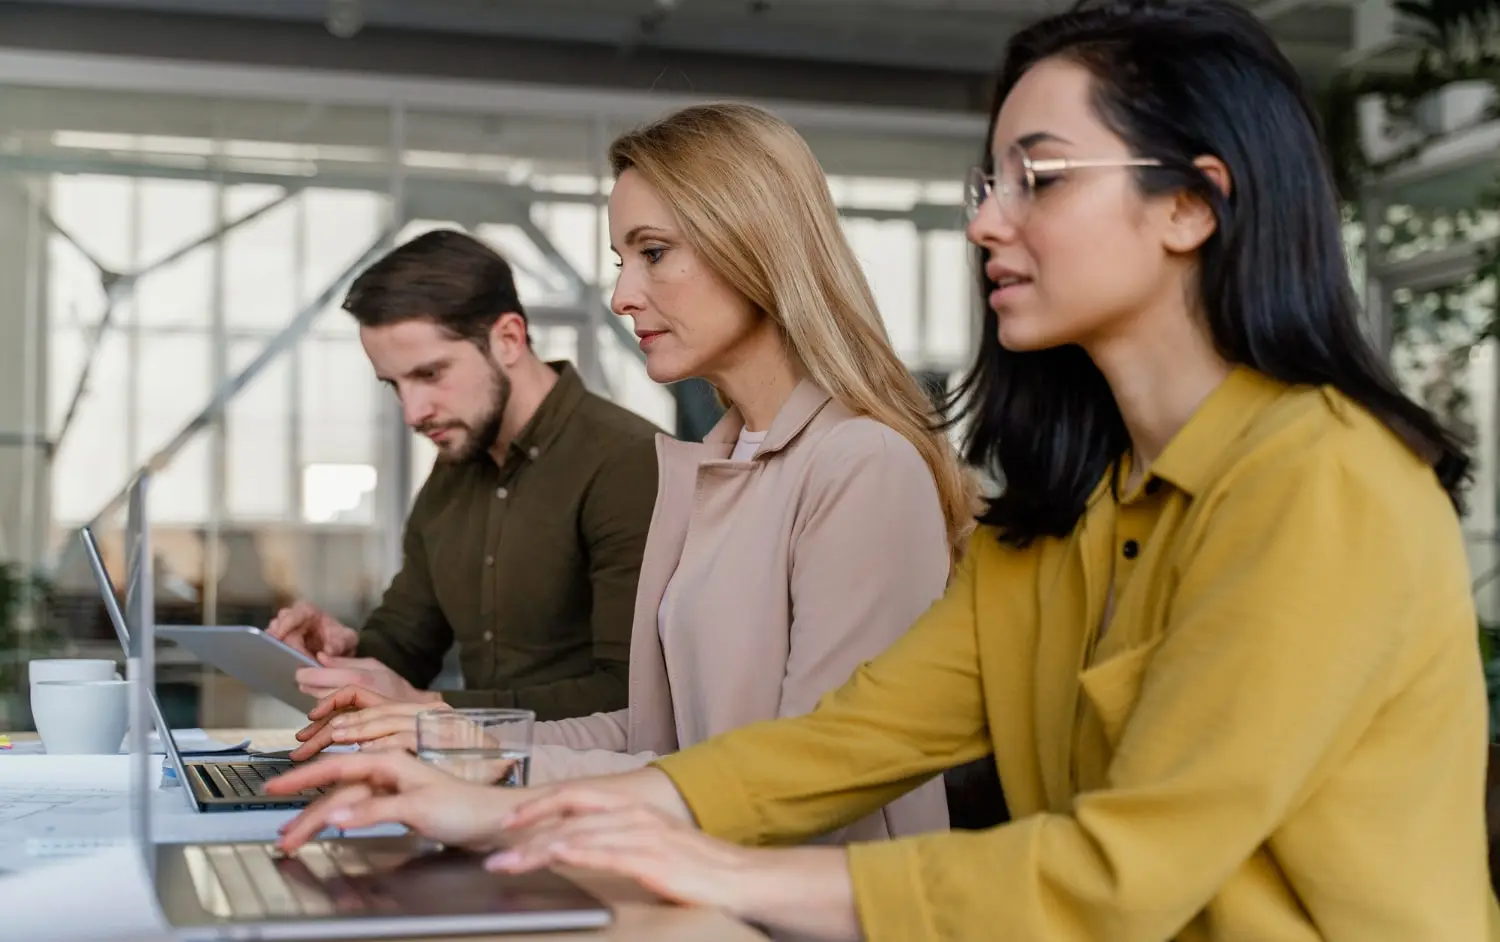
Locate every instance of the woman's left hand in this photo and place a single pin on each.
(667, 856)
(802, 889)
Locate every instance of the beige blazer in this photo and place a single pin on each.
(791, 569)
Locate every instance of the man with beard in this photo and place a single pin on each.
(525, 542)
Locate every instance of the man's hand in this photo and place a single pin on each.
(366, 672)
(363, 717)
(393, 787)
(313, 631)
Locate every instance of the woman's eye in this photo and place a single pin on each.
(1045, 180)
(653, 255)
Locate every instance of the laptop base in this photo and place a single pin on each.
(358, 888)
(232, 785)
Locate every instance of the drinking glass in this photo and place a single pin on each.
(478, 745)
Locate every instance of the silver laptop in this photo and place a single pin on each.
(346, 888)
(221, 784)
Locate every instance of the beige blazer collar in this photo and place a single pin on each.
(805, 402)
(652, 724)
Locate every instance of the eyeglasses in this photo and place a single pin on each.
(1016, 182)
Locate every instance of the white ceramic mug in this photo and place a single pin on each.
(72, 668)
(81, 717)
(66, 668)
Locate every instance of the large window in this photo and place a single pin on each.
(214, 223)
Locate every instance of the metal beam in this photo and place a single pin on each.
(584, 291)
(393, 449)
(1431, 271)
(925, 216)
(543, 315)
(471, 210)
(278, 345)
(576, 283)
(218, 436)
(106, 275)
(27, 440)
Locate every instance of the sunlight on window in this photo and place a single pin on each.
(338, 493)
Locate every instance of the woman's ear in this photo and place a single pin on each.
(1192, 219)
(1217, 173)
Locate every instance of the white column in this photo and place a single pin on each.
(25, 507)
(393, 491)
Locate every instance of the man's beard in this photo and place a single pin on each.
(481, 434)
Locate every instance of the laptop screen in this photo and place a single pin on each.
(122, 631)
(141, 663)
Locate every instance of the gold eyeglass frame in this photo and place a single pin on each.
(1034, 167)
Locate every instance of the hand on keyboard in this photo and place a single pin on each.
(395, 787)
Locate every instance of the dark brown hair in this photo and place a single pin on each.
(445, 277)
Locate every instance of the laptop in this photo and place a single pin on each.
(210, 784)
(344, 888)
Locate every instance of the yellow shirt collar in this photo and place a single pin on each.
(1191, 459)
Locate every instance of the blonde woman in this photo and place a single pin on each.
(816, 521)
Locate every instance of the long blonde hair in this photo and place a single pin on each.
(752, 200)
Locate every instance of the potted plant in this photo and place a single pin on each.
(1380, 118)
(1456, 62)
(24, 634)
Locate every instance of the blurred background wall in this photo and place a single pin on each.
(186, 186)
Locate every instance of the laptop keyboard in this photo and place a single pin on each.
(256, 881)
(246, 779)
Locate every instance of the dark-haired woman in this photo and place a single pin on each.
(1217, 629)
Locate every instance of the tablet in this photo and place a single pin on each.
(249, 655)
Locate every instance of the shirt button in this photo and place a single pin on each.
(502, 493)
(489, 560)
(1152, 486)
(1131, 549)
(534, 451)
(489, 636)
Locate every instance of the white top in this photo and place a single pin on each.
(744, 449)
(748, 444)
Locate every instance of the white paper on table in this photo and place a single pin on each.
(87, 826)
(42, 904)
(195, 742)
(93, 773)
(192, 742)
(70, 785)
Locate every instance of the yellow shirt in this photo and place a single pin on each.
(1281, 736)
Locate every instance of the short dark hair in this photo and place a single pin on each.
(1178, 79)
(446, 277)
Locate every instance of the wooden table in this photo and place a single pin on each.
(640, 916)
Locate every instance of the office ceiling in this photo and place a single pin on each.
(959, 40)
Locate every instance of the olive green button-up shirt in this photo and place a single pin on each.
(531, 566)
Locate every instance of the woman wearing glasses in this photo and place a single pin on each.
(1217, 628)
